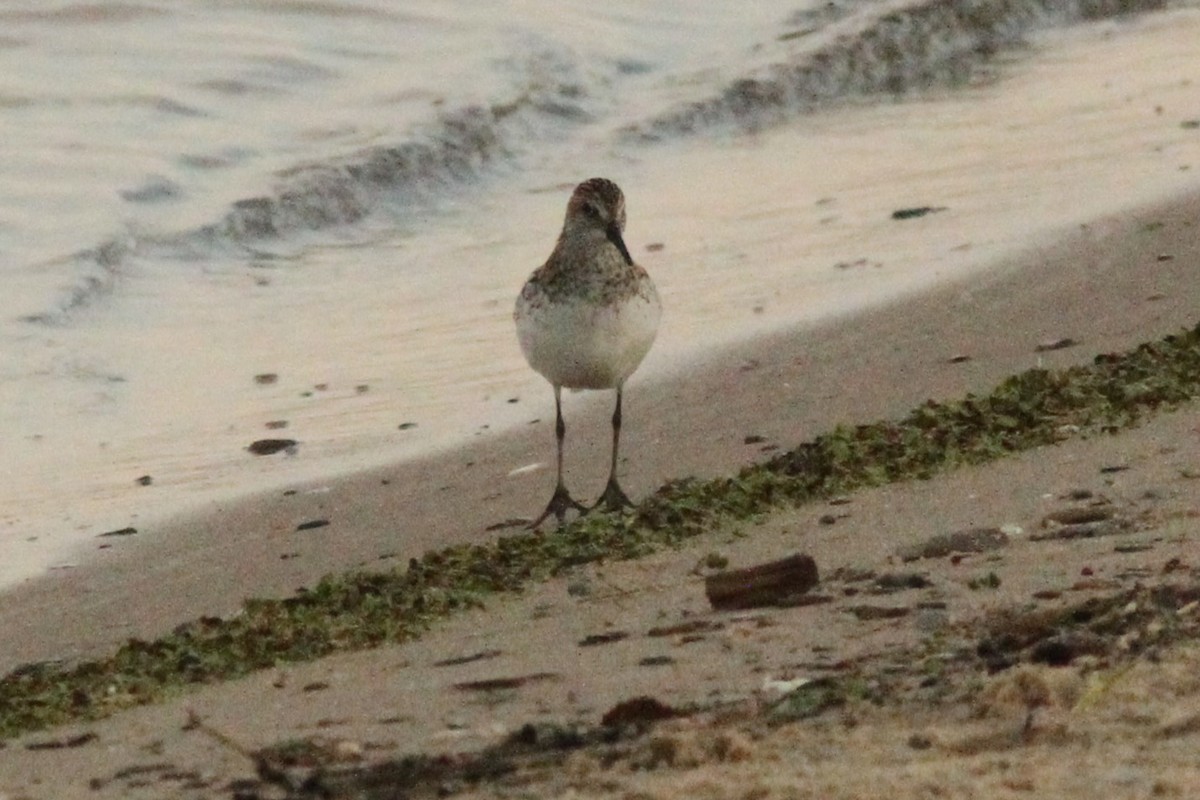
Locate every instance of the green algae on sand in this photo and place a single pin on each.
(359, 610)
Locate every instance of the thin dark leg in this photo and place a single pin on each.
(561, 502)
(614, 499)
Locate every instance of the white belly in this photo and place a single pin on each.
(583, 346)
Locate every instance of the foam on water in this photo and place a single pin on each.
(836, 52)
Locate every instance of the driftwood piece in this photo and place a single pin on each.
(772, 584)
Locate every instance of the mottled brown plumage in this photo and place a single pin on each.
(588, 316)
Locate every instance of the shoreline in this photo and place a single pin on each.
(1051, 143)
(783, 388)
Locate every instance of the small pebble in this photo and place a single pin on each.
(266, 447)
(1055, 344)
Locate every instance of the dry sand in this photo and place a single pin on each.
(1113, 282)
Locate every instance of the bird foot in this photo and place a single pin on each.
(559, 505)
(614, 498)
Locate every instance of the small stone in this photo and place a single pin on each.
(594, 639)
(918, 211)
(900, 581)
(505, 684)
(1062, 650)
(482, 655)
(862, 262)
(656, 661)
(637, 711)
(145, 480)
(869, 613)
(406, 426)
(266, 447)
(920, 741)
(1055, 344)
(266, 378)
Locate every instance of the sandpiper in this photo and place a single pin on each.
(586, 319)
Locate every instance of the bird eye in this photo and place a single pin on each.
(591, 210)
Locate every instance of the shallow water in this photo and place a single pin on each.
(348, 196)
